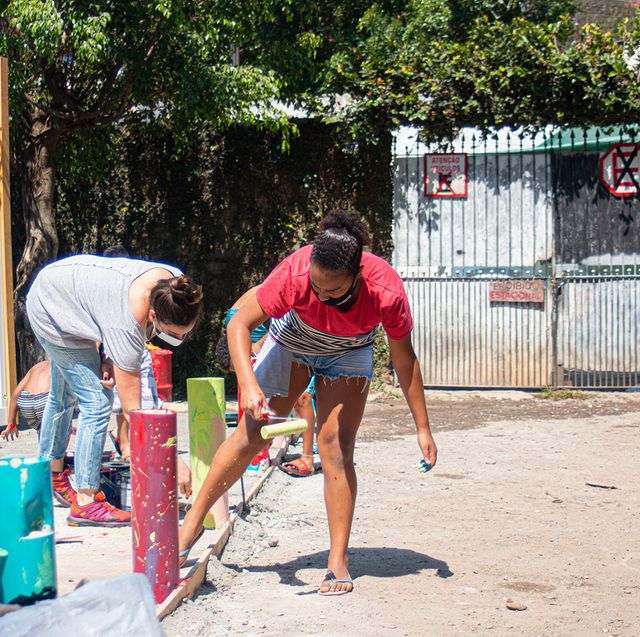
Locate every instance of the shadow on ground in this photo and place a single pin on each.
(371, 561)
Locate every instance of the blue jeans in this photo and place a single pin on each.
(75, 374)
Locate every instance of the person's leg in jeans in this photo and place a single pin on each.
(54, 434)
(80, 370)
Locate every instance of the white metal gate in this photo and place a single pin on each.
(449, 252)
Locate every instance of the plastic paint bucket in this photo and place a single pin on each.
(27, 540)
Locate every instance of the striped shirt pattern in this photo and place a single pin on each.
(298, 337)
(31, 407)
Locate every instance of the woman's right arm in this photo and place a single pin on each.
(247, 318)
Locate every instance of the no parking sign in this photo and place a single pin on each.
(445, 175)
(619, 170)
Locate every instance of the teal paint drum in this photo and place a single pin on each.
(27, 540)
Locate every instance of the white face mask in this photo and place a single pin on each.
(167, 338)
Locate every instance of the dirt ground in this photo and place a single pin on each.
(534, 504)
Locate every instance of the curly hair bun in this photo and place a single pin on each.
(339, 244)
(348, 221)
(185, 290)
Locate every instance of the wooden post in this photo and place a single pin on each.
(8, 362)
(154, 498)
(207, 431)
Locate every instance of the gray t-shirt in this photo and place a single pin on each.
(82, 300)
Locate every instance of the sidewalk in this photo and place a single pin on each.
(96, 552)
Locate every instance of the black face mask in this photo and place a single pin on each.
(339, 300)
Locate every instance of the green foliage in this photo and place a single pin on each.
(382, 367)
(91, 63)
(549, 393)
(224, 207)
(442, 64)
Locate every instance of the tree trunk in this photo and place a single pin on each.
(35, 162)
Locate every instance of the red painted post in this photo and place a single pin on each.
(154, 498)
(161, 368)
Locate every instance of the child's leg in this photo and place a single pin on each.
(122, 429)
(304, 409)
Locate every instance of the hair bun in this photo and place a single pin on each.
(185, 290)
(348, 221)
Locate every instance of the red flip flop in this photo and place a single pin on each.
(297, 468)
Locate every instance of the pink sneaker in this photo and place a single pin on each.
(97, 513)
(63, 492)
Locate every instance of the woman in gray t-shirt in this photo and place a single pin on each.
(74, 305)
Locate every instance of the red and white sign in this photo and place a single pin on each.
(517, 291)
(620, 170)
(445, 175)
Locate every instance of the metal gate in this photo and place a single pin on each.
(534, 212)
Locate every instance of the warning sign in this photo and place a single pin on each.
(445, 175)
(517, 291)
(619, 170)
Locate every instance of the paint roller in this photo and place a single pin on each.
(285, 426)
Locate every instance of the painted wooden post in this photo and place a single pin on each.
(154, 498)
(7, 336)
(27, 540)
(207, 431)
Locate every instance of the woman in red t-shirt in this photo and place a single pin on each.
(325, 302)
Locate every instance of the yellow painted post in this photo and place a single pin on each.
(8, 362)
(207, 431)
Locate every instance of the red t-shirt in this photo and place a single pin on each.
(382, 298)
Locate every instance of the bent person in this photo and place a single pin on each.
(29, 398)
(73, 305)
(325, 302)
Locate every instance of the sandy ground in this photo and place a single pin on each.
(506, 516)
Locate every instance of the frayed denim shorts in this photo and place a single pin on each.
(273, 366)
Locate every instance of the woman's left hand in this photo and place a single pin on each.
(428, 447)
(107, 379)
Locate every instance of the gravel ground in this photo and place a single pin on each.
(533, 505)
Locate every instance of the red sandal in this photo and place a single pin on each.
(299, 468)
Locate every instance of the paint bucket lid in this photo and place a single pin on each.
(116, 464)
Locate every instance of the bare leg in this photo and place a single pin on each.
(233, 457)
(123, 435)
(340, 409)
(304, 409)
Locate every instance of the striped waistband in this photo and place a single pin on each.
(296, 336)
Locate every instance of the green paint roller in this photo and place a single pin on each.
(285, 427)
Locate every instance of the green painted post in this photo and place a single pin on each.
(27, 540)
(207, 431)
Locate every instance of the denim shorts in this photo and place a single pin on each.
(273, 366)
